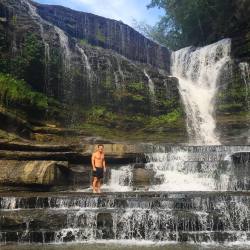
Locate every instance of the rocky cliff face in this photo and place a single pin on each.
(106, 33)
(100, 70)
(233, 100)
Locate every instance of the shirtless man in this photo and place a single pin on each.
(99, 167)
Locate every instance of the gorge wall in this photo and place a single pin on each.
(107, 33)
(99, 70)
(99, 74)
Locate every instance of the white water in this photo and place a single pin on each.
(160, 218)
(151, 85)
(184, 168)
(85, 60)
(117, 83)
(175, 175)
(198, 71)
(245, 73)
(197, 169)
(39, 21)
(120, 69)
(64, 43)
(120, 179)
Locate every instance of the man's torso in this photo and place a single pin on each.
(98, 159)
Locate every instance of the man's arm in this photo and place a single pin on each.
(93, 161)
(104, 165)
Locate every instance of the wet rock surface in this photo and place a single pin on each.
(107, 33)
(103, 76)
(45, 173)
(180, 216)
(47, 165)
(177, 216)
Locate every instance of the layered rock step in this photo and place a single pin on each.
(199, 168)
(130, 167)
(154, 216)
(209, 211)
(46, 166)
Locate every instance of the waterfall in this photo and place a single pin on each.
(64, 43)
(63, 38)
(119, 68)
(85, 60)
(47, 68)
(151, 85)
(183, 168)
(119, 74)
(198, 71)
(245, 74)
(120, 179)
(131, 217)
(39, 21)
(90, 72)
(198, 168)
(117, 83)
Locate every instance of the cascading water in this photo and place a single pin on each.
(90, 73)
(120, 179)
(133, 217)
(121, 73)
(198, 71)
(245, 73)
(198, 168)
(183, 168)
(214, 214)
(64, 43)
(151, 85)
(85, 61)
(39, 21)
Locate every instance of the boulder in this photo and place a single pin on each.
(47, 173)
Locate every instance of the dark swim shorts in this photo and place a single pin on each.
(98, 173)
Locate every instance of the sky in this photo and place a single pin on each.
(122, 10)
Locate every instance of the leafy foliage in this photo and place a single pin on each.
(28, 63)
(197, 22)
(15, 92)
(100, 115)
(165, 119)
(134, 98)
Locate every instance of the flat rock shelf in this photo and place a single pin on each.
(163, 194)
(56, 217)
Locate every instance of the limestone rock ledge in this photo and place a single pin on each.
(40, 166)
(31, 172)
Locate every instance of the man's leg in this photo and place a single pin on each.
(99, 185)
(95, 187)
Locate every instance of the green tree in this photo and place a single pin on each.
(198, 22)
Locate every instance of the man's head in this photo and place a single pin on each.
(100, 148)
